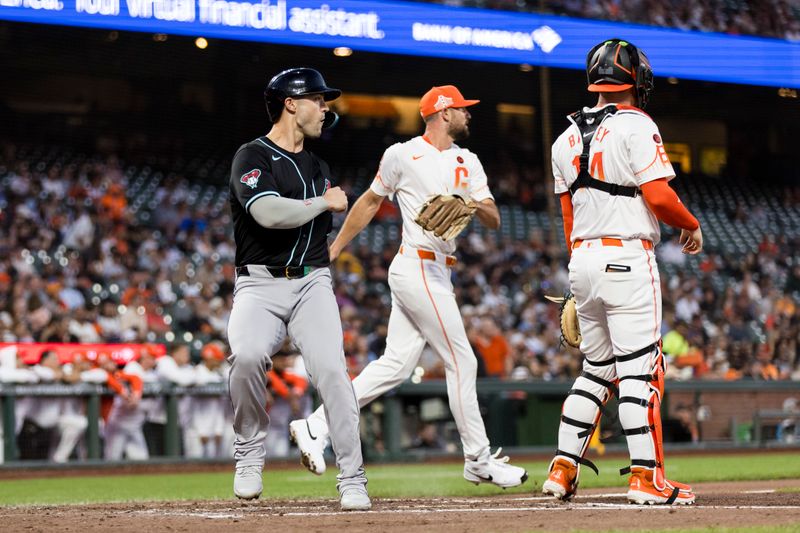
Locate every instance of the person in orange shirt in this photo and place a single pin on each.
(289, 400)
(493, 349)
(122, 414)
(114, 203)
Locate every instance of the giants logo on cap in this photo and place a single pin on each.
(442, 102)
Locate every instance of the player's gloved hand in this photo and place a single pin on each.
(570, 328)
(692, 241)
(336, 198)
(446, 215)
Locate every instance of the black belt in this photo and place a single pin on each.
(289, 272)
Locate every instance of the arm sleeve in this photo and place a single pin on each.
(283, 213)
(566, 215)
(277, 385)
(666, 206)
(114, 384)
(44, 373)
(385, 182)
(136, 382)
(649, 160)
(560, 185)
(95, 375)
(18, 375)
(251, 176)
(298, 383)
(168, 370)
(478, 183)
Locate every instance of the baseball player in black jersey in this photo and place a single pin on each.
(281, 199)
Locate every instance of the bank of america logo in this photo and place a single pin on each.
(546, 38)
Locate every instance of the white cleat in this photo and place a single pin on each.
(355, 498)
(494, 469)
(247, 484)
(311, 445)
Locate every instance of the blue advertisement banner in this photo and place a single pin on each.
(430, 30)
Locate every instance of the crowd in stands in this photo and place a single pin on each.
(768, 18)
(80, 264)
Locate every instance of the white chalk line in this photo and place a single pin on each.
(422, 505)
(594, 506)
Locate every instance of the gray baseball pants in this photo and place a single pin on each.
(264, 310)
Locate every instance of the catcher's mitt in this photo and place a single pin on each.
(446, 215)
(570, 329)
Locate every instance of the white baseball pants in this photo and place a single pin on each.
(424, 311)
(618, 295)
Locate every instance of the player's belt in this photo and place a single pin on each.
(288, 272)
(610, 241)
(428, 255)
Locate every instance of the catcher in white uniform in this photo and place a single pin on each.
(611, 172)
(439, 187)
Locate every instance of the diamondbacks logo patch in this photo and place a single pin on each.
(251, 178)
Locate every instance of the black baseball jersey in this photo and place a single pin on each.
(261, 168)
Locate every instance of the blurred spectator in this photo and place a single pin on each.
(124, 417)
(208, 412)
(681, 425)
(770, 18)
(493, 349)
(789, 428)
(428, 438)
(288, 400)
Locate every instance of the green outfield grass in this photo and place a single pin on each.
(385, 481)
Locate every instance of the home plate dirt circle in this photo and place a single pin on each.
(763, 503)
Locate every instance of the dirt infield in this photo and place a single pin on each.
(719, 504)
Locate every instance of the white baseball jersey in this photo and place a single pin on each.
(626, 149)
(415, 171)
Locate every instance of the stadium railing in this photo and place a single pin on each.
(520, 415)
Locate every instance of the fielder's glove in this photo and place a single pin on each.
(446, 215)
(570, 329)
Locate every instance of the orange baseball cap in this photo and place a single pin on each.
(212, 351)
(439, 98)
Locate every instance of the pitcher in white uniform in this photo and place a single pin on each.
(424, 308)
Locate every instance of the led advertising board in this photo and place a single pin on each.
(430, 30)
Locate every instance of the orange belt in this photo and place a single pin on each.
(431, 256)
(610, 241)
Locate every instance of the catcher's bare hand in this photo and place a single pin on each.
(336, 198)
(692, 241)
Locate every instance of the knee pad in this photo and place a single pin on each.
(640, 409)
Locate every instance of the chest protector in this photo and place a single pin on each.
(587, 123)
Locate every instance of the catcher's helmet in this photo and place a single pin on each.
(298, 82)
(616, 65)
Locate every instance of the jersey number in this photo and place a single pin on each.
(595, 168)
